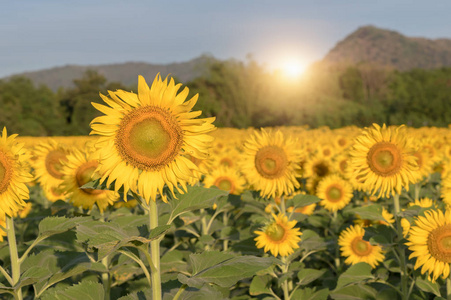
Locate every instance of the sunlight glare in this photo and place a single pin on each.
(294, 68)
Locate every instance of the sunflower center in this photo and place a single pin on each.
(271, 162)
(149, 138)
(419, 158)
(343, 165)
(84, 175)
(334, 193)
(384, 159)
(53, 163)
(439, 243)
(361, 247)
(226, 162)
(5, 172)
(320, 169)
(224, 184)
(275, 232)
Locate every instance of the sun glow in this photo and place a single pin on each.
(293, 67)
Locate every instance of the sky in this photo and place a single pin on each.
(41, 34)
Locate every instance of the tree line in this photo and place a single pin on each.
(243, 94)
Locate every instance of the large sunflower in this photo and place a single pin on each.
(144, 138)
(334, 192)
(13, 175)
(79, 170)
(430, 242)
(384, 160)
(271, 163)
(279, 236)
(355, 249)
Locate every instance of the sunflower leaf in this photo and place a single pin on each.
(54, 225)
(196, 198)
(427, 286)
(88, 290)
(302, 200)
(370, 212)
(357, 273)
(306, 276)
(260, 285)
(223, 269)
(310, 294)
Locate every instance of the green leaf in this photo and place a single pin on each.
(229, 233)
(370, 212)
(306, 276)
(54, 225)
(197, 197)
(354, 292)
(311, 241)
(357, 273)
(86, 290)
(427, 286)
(107, 237)
(301, 201)
(260, 285)
(223, 269)
(310, 294)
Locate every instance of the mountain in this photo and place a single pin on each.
(374, 45)
(125, 73)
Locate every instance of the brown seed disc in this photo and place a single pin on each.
(53, 163)
(419, 157)
(275, 232)
(149, 138)
(84, 174)
(334, 193)
(271, 162)
(360, 247)
(384, 159)
(6, 172)
(224, 183)
(321, 169)
(439, 243)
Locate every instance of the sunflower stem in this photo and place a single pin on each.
(283, 209)
(225, 243)
(417, 191)
(15, 265)
(401, 251)
(155, 252)
(180, 291)
(448, 288)
(205, 227)
(286, 292)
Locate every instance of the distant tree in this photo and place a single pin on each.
(76, 102)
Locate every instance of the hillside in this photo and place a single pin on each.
(370, 44)
(125, 73)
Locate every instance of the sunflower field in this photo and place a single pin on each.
(158, 203)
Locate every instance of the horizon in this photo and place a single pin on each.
(92, 33)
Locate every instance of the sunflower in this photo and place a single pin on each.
(430, 242)
(226, 179)
(271, 163)
(384, 160)
(388, 219)
(79, 170)
(48, 165)
(144, 138)
(446, 190)
(356, 250)
(13, 175)
(279, 236)
(306, 210)
(317, 166)
(335, 192)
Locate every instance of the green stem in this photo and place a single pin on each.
(3, 271)
(448, 288)
(106, 279)
(139, 262)
(205, 228)
(417, 191)
(286, 292)
(225, 243)
(401, 251)
(15, 265)
(283, 208)
(155, 252)
(180, 291)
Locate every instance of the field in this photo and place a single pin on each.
(158, 203)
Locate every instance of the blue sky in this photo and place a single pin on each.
(38, 34)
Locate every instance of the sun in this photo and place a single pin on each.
(294, 67)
